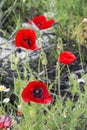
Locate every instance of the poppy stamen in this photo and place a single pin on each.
(39, 24)
(37, 93)
(27, 41)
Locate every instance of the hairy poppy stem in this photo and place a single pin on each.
(58, 77)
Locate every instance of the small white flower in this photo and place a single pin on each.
(6, 90)
(6, 100)
(81, 80)
(3, 88)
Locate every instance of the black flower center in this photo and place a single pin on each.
(40, 24)
(27, 41)
(37, 93)
(19, 50)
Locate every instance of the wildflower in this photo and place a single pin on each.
(6, 100)
(66, 57)
(5, 122)
(19, 113)
(26, 38)
(81, 80)
(42, 23)
(36, 91)
(3, 88)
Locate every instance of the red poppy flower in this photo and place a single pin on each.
(36, 91)
(26, 38)
(5, 122)
(66, 57)
(42, 23)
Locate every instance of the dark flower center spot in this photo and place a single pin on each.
(39, 24)
(37, 93)
(27, 41)
(19, 50)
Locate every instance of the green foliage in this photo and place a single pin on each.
(67, 13)
(63, 114)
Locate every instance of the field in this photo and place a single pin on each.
(43, 65)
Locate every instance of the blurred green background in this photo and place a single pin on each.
(68, 13)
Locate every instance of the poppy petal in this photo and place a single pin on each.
(25, 38)
(37, 92)
(39, 19)
(66, 57)
(42, 23)
(47, 24)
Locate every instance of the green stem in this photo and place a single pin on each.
(46, 74)
(39, 69)
(58, 78)
(78, 40)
